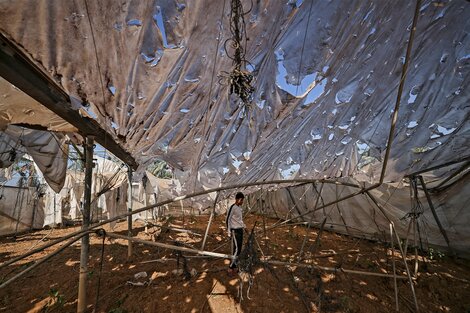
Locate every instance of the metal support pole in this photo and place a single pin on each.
(144, 185)
(129, 210)
(263, 210)
(85, 244)
(433, 210)
(309, 223)
(408, 273)
(210, 222)
(393, 266)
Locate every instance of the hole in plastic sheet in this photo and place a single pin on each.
(369, 91)
(295, 3)
(316, 134)
(90, 111)
(344, 126)
(180, 6)
(445, 131)
(299, 89)
(118, 26)
(346, 140)
(289, 172)
(362, 147)
(184, 110)
(192, 80)
(158, 19)
(444, 57)
(464, 58)
(236, 163)
(112, 89)
(439, 131)
(331, 136)
(134, 22)
(413, 94)
(152, 60)
(412, 124)
(316, 92)
(345, 95)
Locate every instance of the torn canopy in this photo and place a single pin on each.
(326, 77)
(48, 150)
(19, 108)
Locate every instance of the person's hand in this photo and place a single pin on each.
(229, 234)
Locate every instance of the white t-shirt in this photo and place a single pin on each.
(235, 217)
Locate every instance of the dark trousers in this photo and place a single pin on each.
(237, 243)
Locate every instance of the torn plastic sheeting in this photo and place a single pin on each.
(359, 216)
(19, 108)
(357, 47)
(48, 150)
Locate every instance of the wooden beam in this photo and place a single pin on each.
(22, 72)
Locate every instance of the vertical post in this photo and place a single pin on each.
(431, 206)
(415, 242)
(35, 204)
(310, 222)
(144, 184)
(210, 222)
(393, 266)
(408, 273)
(54, 224)
(182, 208)
(263, 211)
(129, 209)
(85, 241)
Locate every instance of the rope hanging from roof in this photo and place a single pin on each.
(240, 78)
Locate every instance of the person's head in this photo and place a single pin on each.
(239, 198)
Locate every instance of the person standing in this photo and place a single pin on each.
(235, 226)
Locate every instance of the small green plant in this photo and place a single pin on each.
(56, 300)
(435, 254)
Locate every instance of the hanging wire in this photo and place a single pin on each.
(240, 79)
(96, 53)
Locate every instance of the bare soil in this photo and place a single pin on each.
(442, 284)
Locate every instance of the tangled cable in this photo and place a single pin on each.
(239, 78)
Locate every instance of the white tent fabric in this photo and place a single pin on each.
(48, 150)
(321, 105)
(359, 216)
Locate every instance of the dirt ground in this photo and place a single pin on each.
(201, 284)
